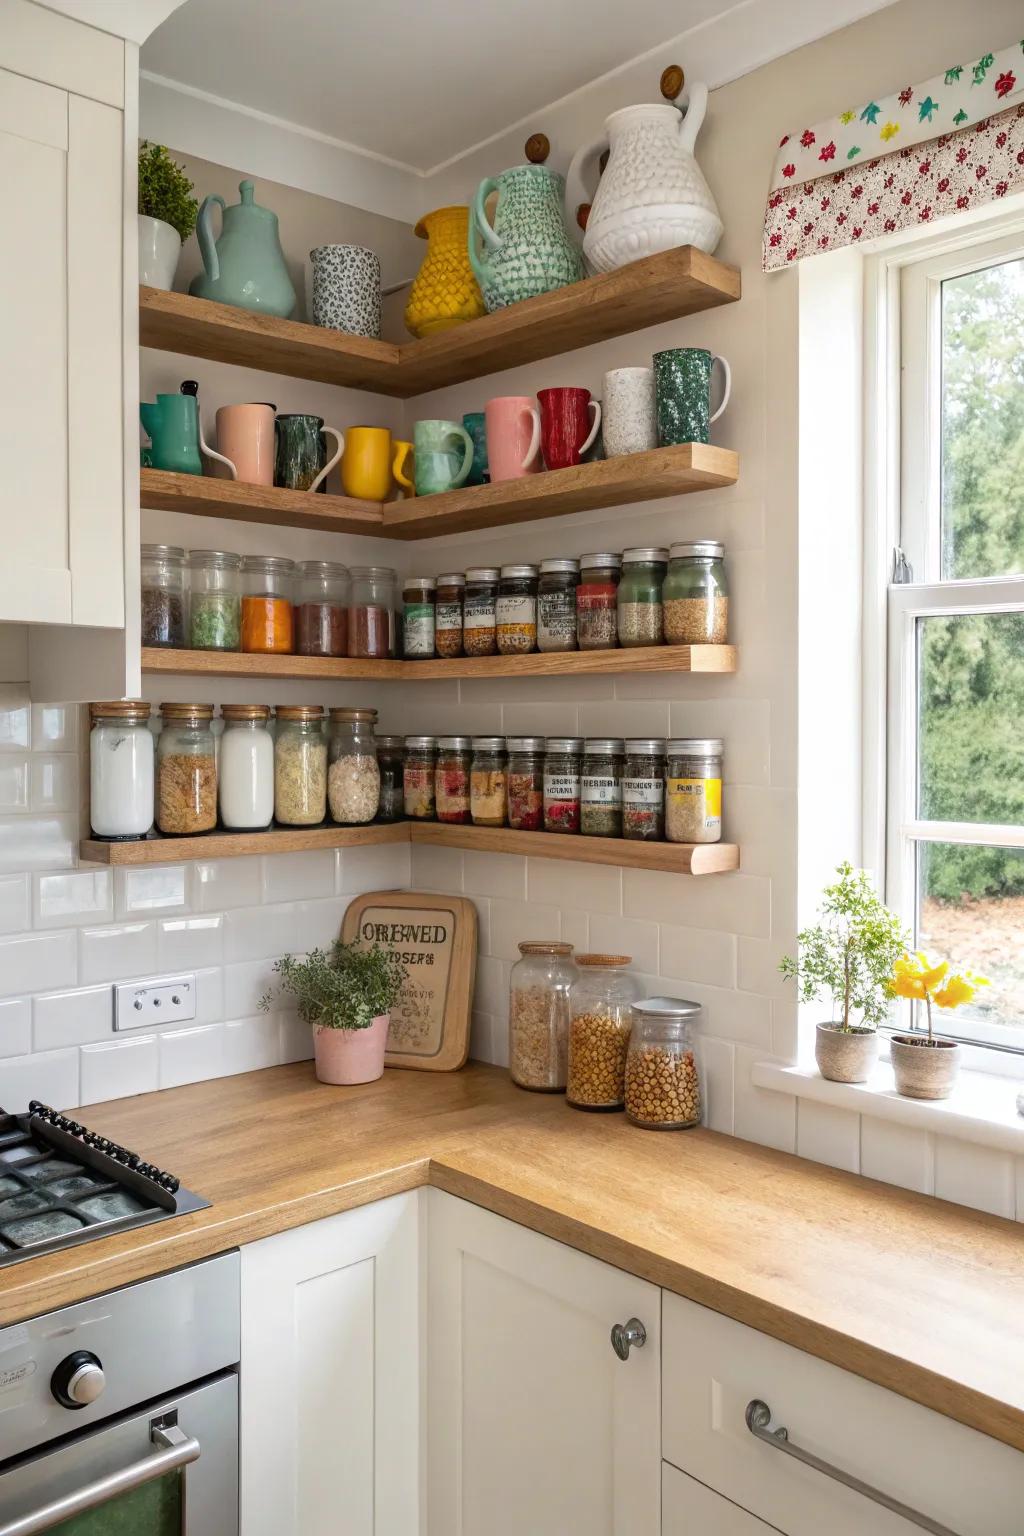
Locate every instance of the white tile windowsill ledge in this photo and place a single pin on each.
(982, 1107)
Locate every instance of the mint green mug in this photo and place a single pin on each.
(443, 456)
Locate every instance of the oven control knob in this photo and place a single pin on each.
(78, 1380)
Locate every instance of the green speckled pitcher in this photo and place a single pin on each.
(527, 250)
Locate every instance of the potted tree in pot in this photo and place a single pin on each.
(849, 954)
(926, 1067)
(346, 993)
(167, 215)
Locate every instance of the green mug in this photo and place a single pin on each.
(682, 392)
(475, 424)
(443, 456)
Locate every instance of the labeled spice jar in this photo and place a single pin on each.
(562, 784)
(353, 777)
(643, 790)
(419, 598)
(516, 610)
(696, 594)
(451, 779)
(488, 782)
(371, 611)
(538, 1015)
(300, 766)
(448, 615)
(245, 768)
(186, 771)
(525, 783)
(268, 619)
(556, 605)
(693, 790)
(121, 766)
(321, 608)
(391, 764)
(641, 615)
(601, 787)
(596, 622)
(662, 1078)
(479, 620)
(214, 600)
(600, 1005)
(418, 777)
(163, 595)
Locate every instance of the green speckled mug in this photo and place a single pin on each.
(682, 387)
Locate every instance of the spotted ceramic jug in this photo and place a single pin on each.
(527, 250)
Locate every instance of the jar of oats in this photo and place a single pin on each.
(600, 1005)
(538, 1015)
(662, 1078)
(693, 790)
(488, 782)
(353, 778)
(300, 766)
(641, 616)
(696, 594)
(515, 611)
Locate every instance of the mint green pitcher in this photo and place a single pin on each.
(527, 250)
(246, 266)
(175, 429)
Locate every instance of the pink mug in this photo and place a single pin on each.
(245, 438)
(513, 437)
(569, 423)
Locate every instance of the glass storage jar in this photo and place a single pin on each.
(186, 771)
(300, 766)
(371, 611)
(121, 755)
(696, 594)
(601, 787)
(600, 1006)
(662, 1078)
(479, 618)
(268, 619)
(321, 608)
(353, 777)
(693, 790)
(643, 790)
(556, 605)
(163, 595)
(391, 763)
(562, 784)
(641, 619)
(245, 768)
(488, 782)
(516, 610)
(596, 625)
(214, 600)
(419, 603)
(538, 1015)
(525, 783)
(451, 779)
(448, 614)
(418, 777)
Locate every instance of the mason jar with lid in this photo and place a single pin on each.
(479, 621)
(268, 619)
(300, 766)
(596, 601)
(215, 600)
(525, 783)
(371, 611)
(419, 603)
(601, 787)
(562, 784)
(353, 777)
(391, 763)
(488, 782)
(662, 1077)
(321, 608)
(693, 790)
(696, 594)
(121, 758)
(163, 595)
(643, 790)
(516, 610)
(418, 777)
(600, 1005)
(448, 614)
(451, 779)
(186, 771)
(245, 768)
(556, 605)
(538, 1015)
(641, 615)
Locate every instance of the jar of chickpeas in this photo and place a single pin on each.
(601, 1016)
(662, 1078)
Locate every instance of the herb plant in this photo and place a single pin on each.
(344, 987)
(165, 191)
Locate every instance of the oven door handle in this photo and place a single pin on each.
(174, 1449)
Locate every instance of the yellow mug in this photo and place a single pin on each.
(366, 463)
(403, 452)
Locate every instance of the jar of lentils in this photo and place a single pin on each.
(215, 600)
(526, 783)
(418, 777)
(643, 790)
(600, 1005)
(641, 619)
(163, 595)
(451, 779)
(419, 597)
(516, 610)
(562, 784)
(448, 615)
(391, 764)
(696, 594)
(556, 605)
(601, 788)
(538, 1015)
(488, 782)
(693, 790)
(595, 602)
(479, 632)
(662, 1078)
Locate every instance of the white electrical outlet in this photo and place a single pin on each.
(144, 1004)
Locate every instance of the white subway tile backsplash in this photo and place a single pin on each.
(30, 962)
(209, 995)
(15, 1027)
(118, 1068)
(55, 727)
(189, 943)
(252, 933)
(15, 903)
(481, 1043)
(717, 1065)
(576, 930)
(483, 922)
(565, 883)
(735, 903)
(245, 986)
(152, 891)
(827, 1134)
(117, 952)
(72, 898)
(14, 784)
(15, 718)
(318, 923)
(74, 1017)
(744, 726)
(251, 1044)
(384, 868)
(626, 936)
(970, 1174)
(491, 993)
(437, 869)
(699, 955)
(220, 883)
(762, 1114)
(53, 782)
(37, 842)
(494, 874)
(298, 876)
(295, 1038)
(897, 1154)
(48, 1075)
(513, 921)
(190, 1055)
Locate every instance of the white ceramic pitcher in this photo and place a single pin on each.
(652, 195)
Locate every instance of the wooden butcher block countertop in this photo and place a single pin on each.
(915, 1294)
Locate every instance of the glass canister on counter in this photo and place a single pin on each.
(662, 1077)
(448, 615)
(268, 619)
(601, 787)
(696, 594)
(643, 790)
(451, 779)
(371, 611)
(321, 608)
(556, 605)
(601, 1018)
(693, 790)
(488, 782)
(539, 1014)
(596, 595)
(419, 608)
(121, 767)
(641, 615)
(391, 764)
(163, 595)
(186, 771)
(300, 766)
(418, 777)
(525, 783)
(214, 600)
(245, 768)
(562, 784)
(516, 610)
(353, 776)
(479, 620)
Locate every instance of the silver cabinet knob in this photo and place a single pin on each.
(78, 1380)
(626, 1336)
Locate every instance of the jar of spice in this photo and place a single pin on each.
(525, 783)
(321, 609)
(641, 618)
(419, 597)
(488, 782)
(418, 777)
(662, 1079)
(268, 623)
(451, 779)
(538, 1015)
(600, 1005)
(215, 600)
(245, 768)
(121, 755)
(353, 777)
(391, 763)
(643, 790)
(480, 637)
(448, 615)
(556, 605)
(186, 771)
(696, 594)
(693, 791)
(562, 784)
(601, 787)
(595, 602)
(516, 610)
(371, 615)
(300, 766)
(163, 595)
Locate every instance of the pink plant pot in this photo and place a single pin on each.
(351, 1055)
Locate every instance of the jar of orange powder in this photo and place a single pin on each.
(268, 624)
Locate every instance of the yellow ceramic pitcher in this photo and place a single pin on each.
(445, 292)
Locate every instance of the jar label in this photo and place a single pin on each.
(709, 789)
(516, 610)
(556, 616)
(596, 594)
(418, 629)
(561, 786)
(600, 789)
(449, 616)
(479, 613)
(643, 791)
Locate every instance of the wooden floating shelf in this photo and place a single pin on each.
(648, 292)
(206, 496)
(228, 845)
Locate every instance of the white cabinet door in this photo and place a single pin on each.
(535, 1426)
(330, 1376)
(690, 1509)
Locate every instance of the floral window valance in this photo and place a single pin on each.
(925, 151)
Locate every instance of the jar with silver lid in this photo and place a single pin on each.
(419, 606)
(451, 779)
(448, 614)
(641, 619)
(488, 782)
(562, 784)
(693, 790)
(556, 605)
(696, 594)
(601, 787)
(643, 790)
(516, 610)
(418, 777)
(479, 633)
(525, 783)
(595, 601)
(662, 1078)
(391, 765)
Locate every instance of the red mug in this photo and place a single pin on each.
(565, 431)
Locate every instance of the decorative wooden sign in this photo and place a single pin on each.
(435, 936)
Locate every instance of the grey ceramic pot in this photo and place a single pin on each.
(924, 1071)
(845, 1055)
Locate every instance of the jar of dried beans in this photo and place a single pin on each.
(321, 609)
(419, 599)
(268, 623)
(163, 595)
(641, 619)
(662, 1079)
(526, 783)
(562, 784)
(479, 618)
(371, 611)
(693, 791)
(353, 777)
(595, 602)
(600, 1005)
(448, 615)
(300, 766)
(643, 790)
(488, 782)
(556, 605)
(214, 600)
(696, 594)
(418, 777)
(516, 610)
(601, 787)
(451, 779)
(391, 763)
(186, 799)
(538, 1015)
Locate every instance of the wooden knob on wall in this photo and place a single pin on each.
(538, 147)
(672, 81)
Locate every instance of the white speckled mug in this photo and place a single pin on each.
(630, 417)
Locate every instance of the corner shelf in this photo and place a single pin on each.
(239, 502)
(157, 849)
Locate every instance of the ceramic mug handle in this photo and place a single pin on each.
(467, 456)
(726, 388)
(594, 407)
(217, 457)
(533, 452)
(339, 438)
(402, 452)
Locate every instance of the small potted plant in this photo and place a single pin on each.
(346, 993)
(850, 954)
(167, 215)
(925, 1067)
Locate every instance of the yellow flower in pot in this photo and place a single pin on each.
(926, 1067)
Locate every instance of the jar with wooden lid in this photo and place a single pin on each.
(163, 595)
(321, 608)
(391, 763)
(662, 1077)
(525, 783)
(353, 777)
(562, 784)
(641, 615)
(693, 790)
(601, 787)
(186, 771)
(214, 600)
(601, 1005)
(479, 612)
(643, 790)
(245, 768)
(448, 614)
(419, 605)
(268, 619)
(696, 594)
(538, 1015)
(300, 766)
(488, 782)
(418, 778)
(516, 610)
(451, 779)
(121, 765)
(596, 626)
(556, 605)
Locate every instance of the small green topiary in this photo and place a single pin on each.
(165, 191)
(345, 987)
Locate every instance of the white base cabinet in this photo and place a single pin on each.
(690, 1509)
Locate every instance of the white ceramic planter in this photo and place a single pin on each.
(159, 249)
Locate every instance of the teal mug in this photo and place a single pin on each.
(443, 456)
(682, 390)
(475, 423)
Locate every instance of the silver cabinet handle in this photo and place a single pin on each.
(759, 1418)
(624, 1337)
(174, 1449)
